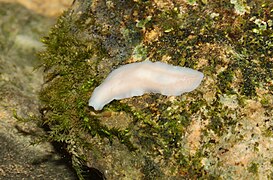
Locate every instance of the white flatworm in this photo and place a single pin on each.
(135, 79)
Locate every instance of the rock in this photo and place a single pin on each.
(20, 83)
(50, 8)
(221, 130)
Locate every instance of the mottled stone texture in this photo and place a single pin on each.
(51, 8)
(224, 129)
(20, 32)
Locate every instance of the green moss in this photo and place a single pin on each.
(253, 168)
(192, 2)
(225, 79)
(69, 80)
(140, 53)
(151, 170)
(268, 132)
(240, 6)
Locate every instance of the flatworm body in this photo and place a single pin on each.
(135, 79)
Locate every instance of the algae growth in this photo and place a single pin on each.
(154, 136)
